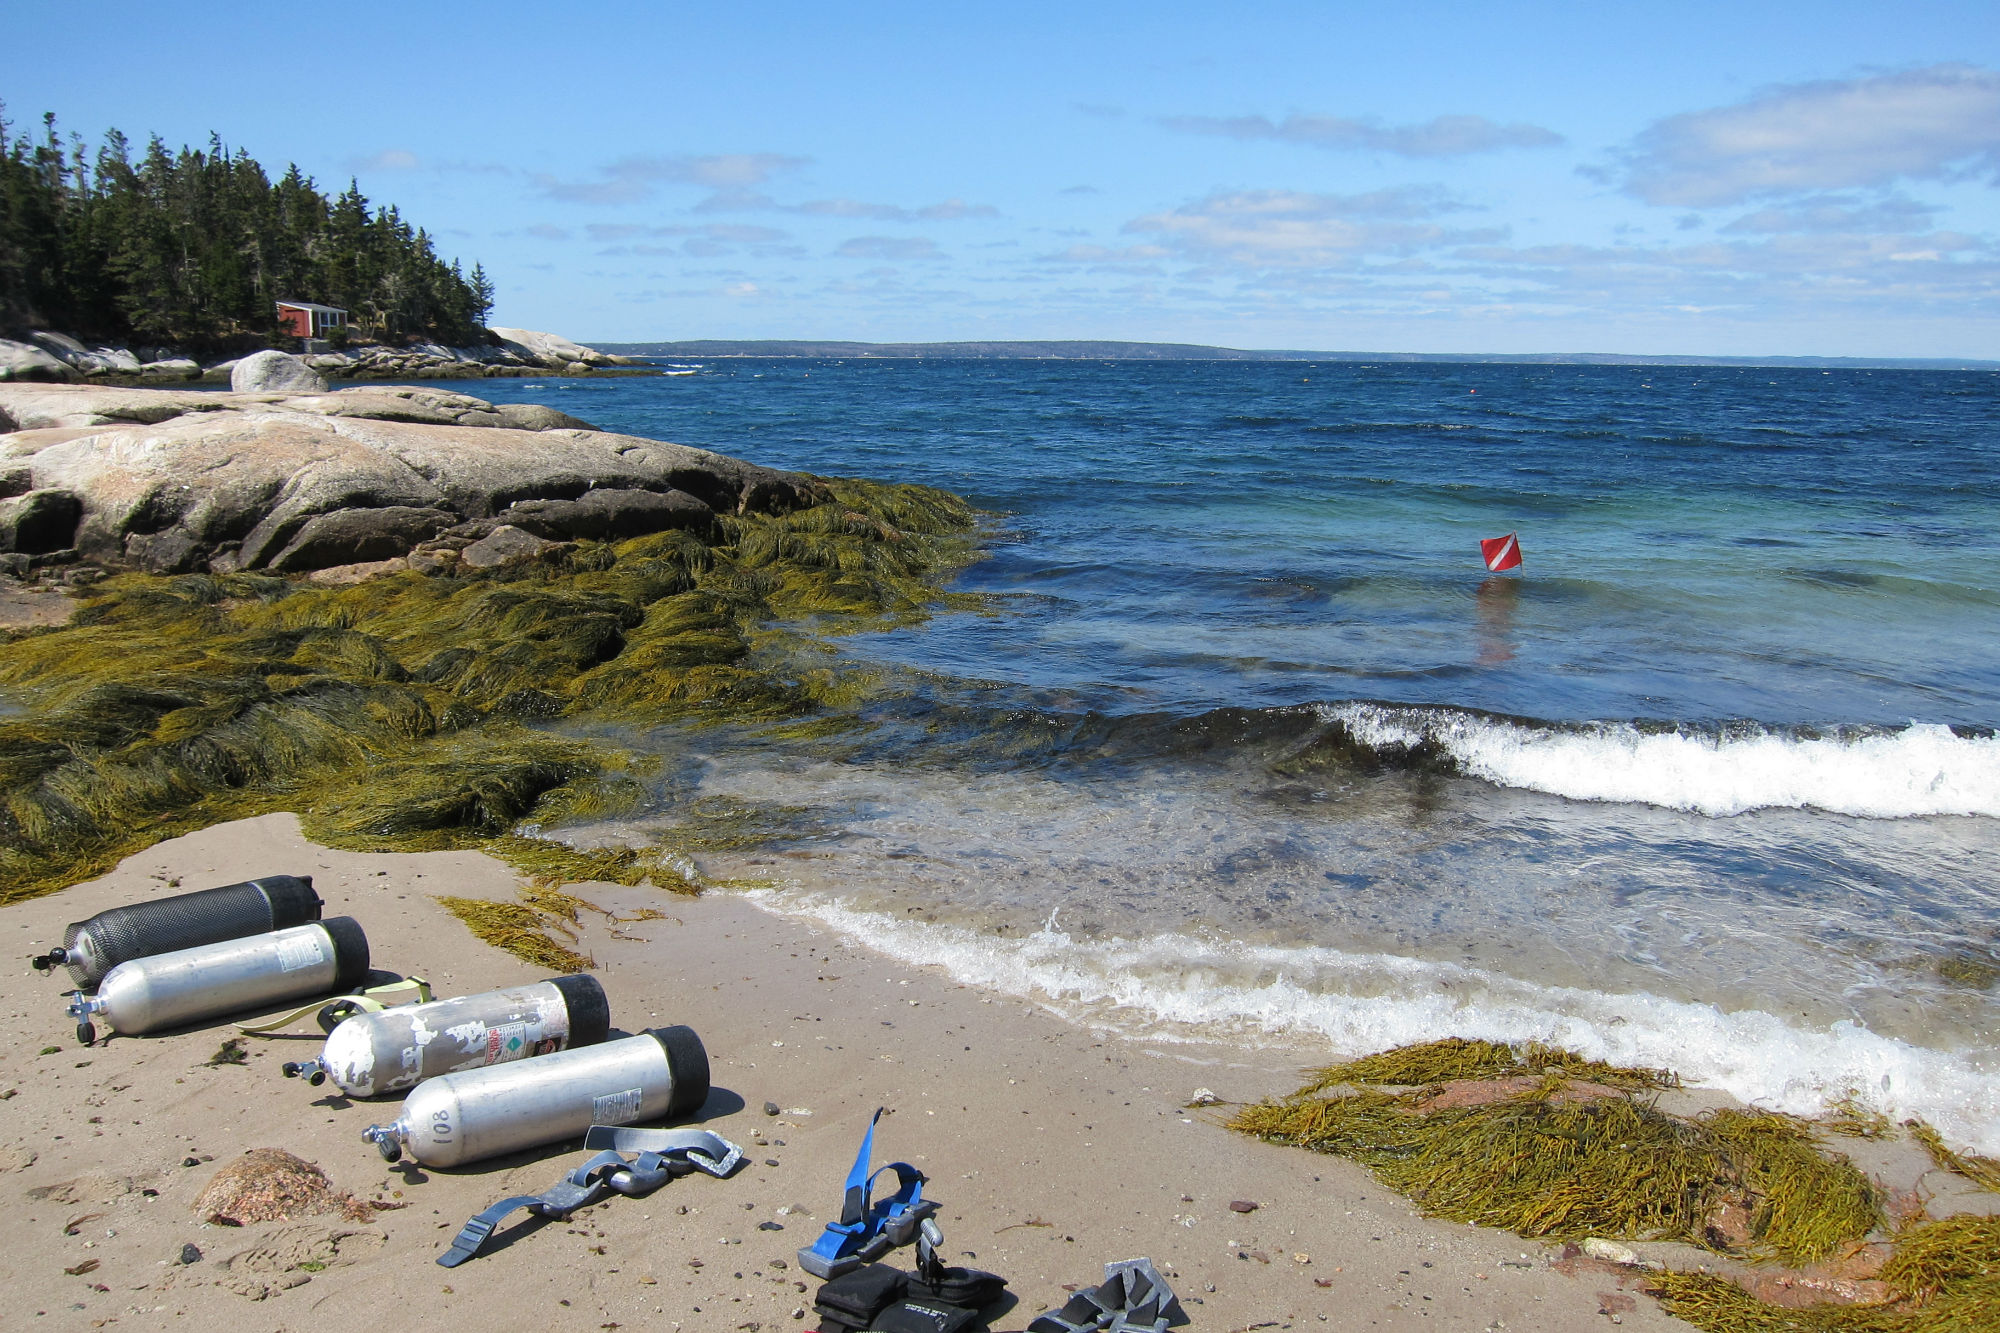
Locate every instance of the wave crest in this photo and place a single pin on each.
(1165, 987)
(1923, 769)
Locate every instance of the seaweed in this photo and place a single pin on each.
(1848, 1116)
(1944, 1277)
(522, 929)
(1808, 1204)
(1560, 1160)
(1981, 1171)
(1457, 1057)
(402, 712)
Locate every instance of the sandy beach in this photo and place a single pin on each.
(1054, 1149)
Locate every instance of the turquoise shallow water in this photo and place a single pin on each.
(1256, 744)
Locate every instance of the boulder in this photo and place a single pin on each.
(24, 361)
(350, 536)
(534, 416)
(551, 350)
(611, 515)
(505, 545)
(274, 372)
(87, 360)
(181, 480)
(174, 368)
(39, 522)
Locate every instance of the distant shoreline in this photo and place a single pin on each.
(780, 349)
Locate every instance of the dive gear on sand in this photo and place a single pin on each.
(662, 1154)
(867, 1229)
(169, 989)
(330, 1013)
(1134, 1297)
(478, 1113)
(91, 948)
(392, 1049)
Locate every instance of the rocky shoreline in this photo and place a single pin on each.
(58, 358)
(303, 479)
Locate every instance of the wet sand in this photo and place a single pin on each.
(1054, 1149)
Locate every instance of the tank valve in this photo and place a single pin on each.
(388, 1139)
(46, 963)
(81, 1008)
(309, 1070)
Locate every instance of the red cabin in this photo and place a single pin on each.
(303, 319)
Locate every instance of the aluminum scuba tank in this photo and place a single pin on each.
(392, 1049)
(480, 1113)
(119, 934)
(166, 990)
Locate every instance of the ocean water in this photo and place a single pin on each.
(1250, 744)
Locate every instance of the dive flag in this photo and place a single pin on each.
(1501, 552)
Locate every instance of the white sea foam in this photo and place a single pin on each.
(1923, 769)
(1168, 986)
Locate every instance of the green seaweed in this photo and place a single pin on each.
(1456, 1058)
(1944, 1277)
(399, 713)
(1557, 1159)
(521, 929)
(1981, 1171)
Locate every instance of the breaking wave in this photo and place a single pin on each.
(1167, 986)
(1922, 769)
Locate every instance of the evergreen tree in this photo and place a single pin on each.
(195, 249)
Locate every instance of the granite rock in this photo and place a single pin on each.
(182, 480)
(275, 372)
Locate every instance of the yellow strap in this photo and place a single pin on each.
(410, 990)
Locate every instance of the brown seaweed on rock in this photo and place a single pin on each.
(1566, 1160)
(398, 712)
(1574, 1153)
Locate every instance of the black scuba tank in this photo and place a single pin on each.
(185, 921)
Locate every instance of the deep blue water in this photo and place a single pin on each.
(1789, 546)
(1255, 745)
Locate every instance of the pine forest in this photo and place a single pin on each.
(193, 250)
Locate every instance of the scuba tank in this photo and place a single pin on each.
(387, 1051)
(118, 935)
(480, 1113)
(169, 989)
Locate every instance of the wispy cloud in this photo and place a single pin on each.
(1838, 213)
(1294, 229)
(701, 241)
(733, 176)
(1101, 110)
(1800, 274)
(951, 210)
(389, 159)
(896, 248)
(1444, 136)
(1832, 134)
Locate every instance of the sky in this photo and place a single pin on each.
(1722, 179)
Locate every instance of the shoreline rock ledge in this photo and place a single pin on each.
(180, 481)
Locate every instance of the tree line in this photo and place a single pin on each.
(194, 249)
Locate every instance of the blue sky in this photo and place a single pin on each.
(1700, 178)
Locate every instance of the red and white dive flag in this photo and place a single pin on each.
(1501, 552)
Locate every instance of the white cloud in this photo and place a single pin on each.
(889, 248)
(389, 159)
(731, 175)
(1833, 134)
(1294, 229)
(1443, 136)
(548, 231)
(951, 210)
(1837, 213)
